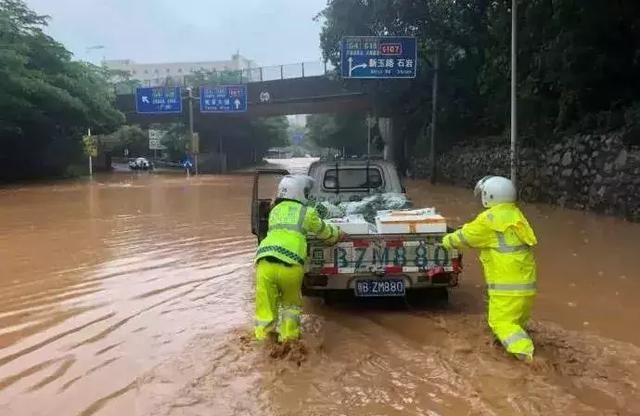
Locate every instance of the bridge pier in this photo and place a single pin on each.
(395, 149)
(385, 125)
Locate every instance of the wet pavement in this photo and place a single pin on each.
(132, 295)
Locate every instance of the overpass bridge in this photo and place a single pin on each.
(304, 88)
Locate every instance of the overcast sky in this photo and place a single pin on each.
(270, 32)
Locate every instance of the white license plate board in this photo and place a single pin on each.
(379, 287)
(376, 255)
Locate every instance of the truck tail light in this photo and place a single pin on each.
(329, 270)
(456, 262)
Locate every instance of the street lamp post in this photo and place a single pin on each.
(514, 91)
(90, 49)
(434, 118)
(193, 136)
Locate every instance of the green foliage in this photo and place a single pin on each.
(578, 61)
(273, 131)
(176, 140)
(339, 131)
(47, 100)
(132, 138)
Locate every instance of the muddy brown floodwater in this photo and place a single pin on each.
(132, 295)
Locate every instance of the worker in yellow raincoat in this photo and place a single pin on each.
(505, 239)
(281, 257)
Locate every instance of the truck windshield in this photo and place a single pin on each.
(353, 178)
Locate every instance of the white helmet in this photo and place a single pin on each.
(295, 188)
(495, 190)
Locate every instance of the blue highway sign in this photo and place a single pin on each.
(158, 100)
(223, 99)
(298, 137)
(378, 57)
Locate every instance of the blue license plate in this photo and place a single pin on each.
(383, 287)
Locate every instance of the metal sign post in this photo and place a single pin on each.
(514, 92)
(90, 149)
(195, 149)
(191, 134)
(434, 118)
(90, 155)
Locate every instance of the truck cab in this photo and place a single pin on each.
(354, 179)
(368, 265)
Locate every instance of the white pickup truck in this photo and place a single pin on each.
(367, 265)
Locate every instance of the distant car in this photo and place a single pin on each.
(140, 163)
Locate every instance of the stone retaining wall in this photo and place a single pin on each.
(590, 172)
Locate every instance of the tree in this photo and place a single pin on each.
(176, 140)
(339, 131)
(132, 138)
(576, 60)
(47, 100)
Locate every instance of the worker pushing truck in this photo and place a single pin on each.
(505, 239)
(406, 252)
(281, 258)
(401, 255)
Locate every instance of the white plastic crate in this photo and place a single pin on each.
(353, 224)
(420, 221)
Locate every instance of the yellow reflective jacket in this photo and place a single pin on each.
(289, 224)
(505, 238)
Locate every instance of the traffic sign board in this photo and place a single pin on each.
(378, 57)
(90, 145)
(155, 140)
(158, 100)
(223, 99)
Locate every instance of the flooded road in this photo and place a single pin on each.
(132, 295)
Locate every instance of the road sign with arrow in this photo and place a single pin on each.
(223, 99)
(158, 100)
(378, 57)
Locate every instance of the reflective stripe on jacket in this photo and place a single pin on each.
(289, 224)
(505, 238)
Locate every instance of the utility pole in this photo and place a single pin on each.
(514, 92)
(90, 49)
(434, 118)
(369, 123)
(195, 154)
(90, 155)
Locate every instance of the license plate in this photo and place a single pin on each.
(375, 255)
(383, 287)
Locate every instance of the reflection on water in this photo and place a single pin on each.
(102, 281)
(133, 295)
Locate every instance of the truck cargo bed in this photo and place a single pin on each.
(419, 259)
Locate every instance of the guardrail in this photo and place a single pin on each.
(244, 76)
